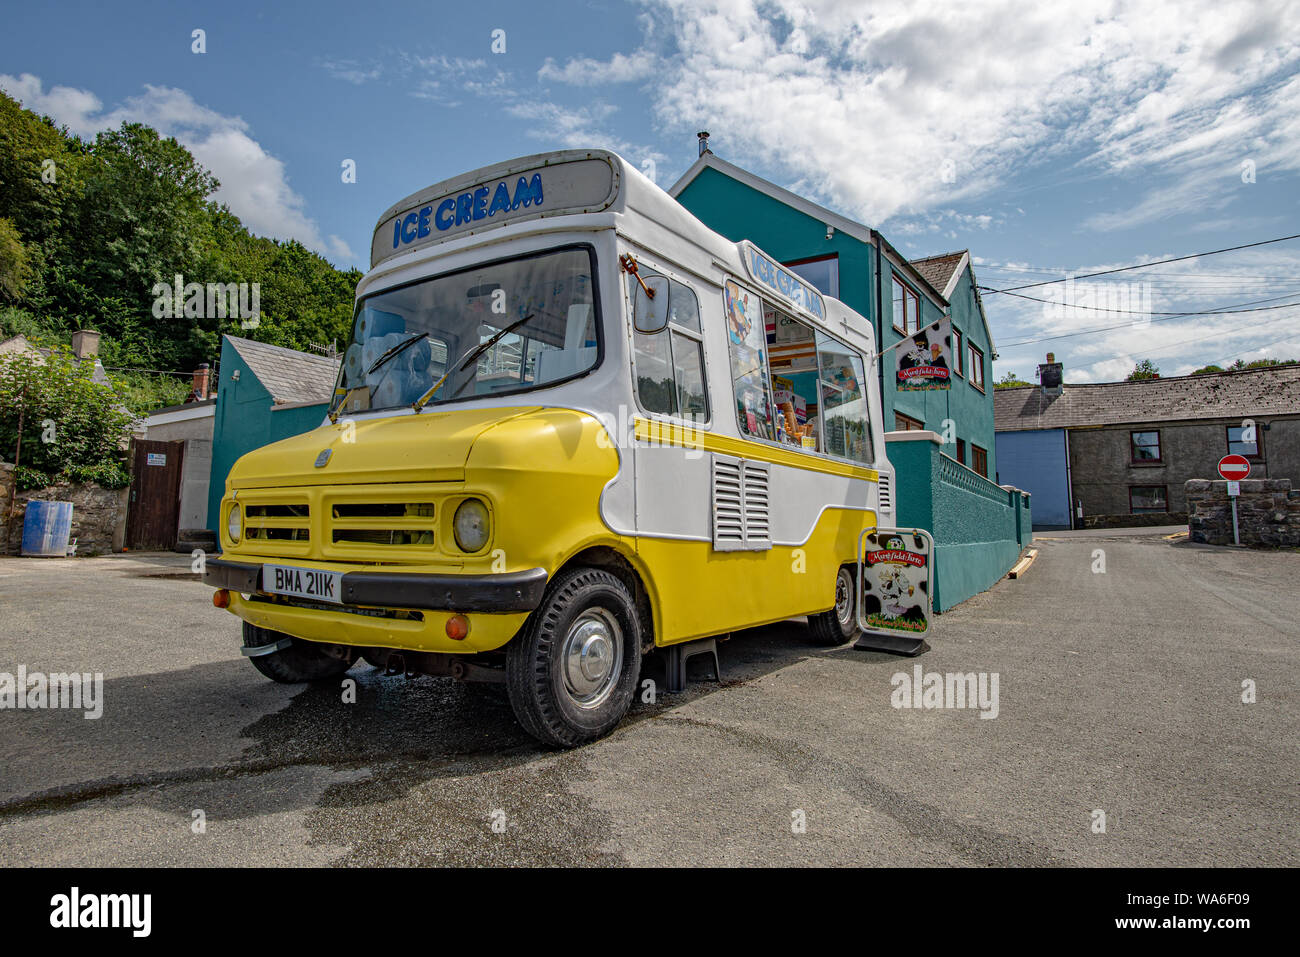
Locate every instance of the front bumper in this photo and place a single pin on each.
(507, 592)
(496, 606)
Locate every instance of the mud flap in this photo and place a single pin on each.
(895, 590)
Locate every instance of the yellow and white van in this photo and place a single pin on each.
(572, 425)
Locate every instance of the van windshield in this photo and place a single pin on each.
(405, 339)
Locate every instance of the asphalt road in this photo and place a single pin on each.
(1119, 692)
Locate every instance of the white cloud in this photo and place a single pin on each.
(582, 71)
(581, 127)
(254, 184)
(868, 107)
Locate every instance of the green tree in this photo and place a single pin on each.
(1146, 369)
(1207, 370)
(72, 427)
(14, 267)
(1010, 381)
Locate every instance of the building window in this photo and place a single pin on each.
(1144, 447)
(979, 460)
(905, 423)
(1144, 499)
(823, 272)
(957, 364)
(975, 367)
(1237, 444)
(961, 451)
(670, 362)
(907, 309)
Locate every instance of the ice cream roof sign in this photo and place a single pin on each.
(782, 281)
(530, 192)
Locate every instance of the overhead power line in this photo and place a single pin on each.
(1158, 262)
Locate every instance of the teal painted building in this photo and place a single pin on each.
(265, 393)
(979, 527)
(857, 265)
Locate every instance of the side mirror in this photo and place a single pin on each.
(651, 315)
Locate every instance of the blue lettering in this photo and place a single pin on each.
(442, 219)
(500, 200)
(408, 226)
(526, 192)
(397, 231)
(424, 221)
(464, 208)
(480, 202)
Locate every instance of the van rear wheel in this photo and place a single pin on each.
(300, 661)
(572, 670)
(840, 624)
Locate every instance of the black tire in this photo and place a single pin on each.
(301, 661)
(840, 624)
(550, 697)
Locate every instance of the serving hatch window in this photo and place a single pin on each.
(538, 313)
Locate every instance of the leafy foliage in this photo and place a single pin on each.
(96, 225)
(1242, 364)
(72, 427)
(1010, 381)
(1146, 369)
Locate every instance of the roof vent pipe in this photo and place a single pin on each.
(704, 141)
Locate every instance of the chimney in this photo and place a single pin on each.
(1051, 374)
(202, 383)
(85, 344)
(704, 141)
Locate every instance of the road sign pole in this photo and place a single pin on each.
(1236, 536)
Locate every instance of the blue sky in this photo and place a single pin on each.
(1047, 141)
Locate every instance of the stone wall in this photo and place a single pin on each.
(1268, 512)
(98, 515)
(1141, 520)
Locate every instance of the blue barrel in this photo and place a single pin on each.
(46, 529)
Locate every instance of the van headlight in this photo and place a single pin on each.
(235, 522)
(471, 525)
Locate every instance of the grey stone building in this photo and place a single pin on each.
(1120, 452)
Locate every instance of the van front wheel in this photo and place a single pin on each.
(572, 671)
(840, 624)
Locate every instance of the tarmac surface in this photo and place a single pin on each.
(1119, 691)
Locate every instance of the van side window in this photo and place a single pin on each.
(843, 401)
(792, 361)
(747, 341)
(670, 362)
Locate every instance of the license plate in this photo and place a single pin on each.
(303, 583)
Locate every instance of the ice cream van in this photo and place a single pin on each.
(572, 427)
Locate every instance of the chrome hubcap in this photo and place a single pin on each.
(843, 597)
(593, 657)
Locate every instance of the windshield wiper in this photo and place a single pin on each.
(469, 357)
(404, 344)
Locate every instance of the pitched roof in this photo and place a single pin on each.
(1219, 395)
(289, 375)
(939, 270)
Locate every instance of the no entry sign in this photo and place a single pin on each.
(1234, 467)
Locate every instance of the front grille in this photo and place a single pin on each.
(382, 523)
(278, 522)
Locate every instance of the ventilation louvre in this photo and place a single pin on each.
(741, 505)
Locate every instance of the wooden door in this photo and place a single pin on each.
(154, 510)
